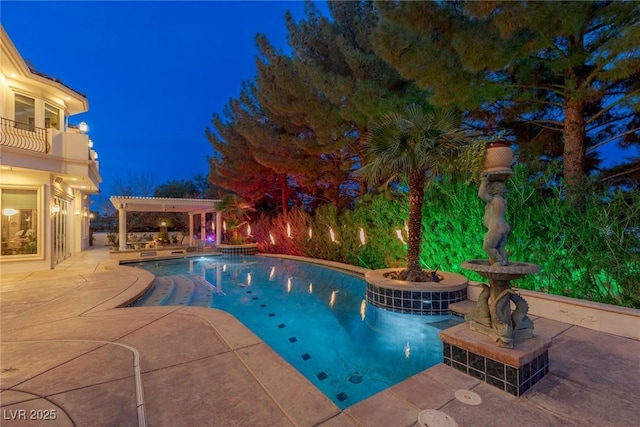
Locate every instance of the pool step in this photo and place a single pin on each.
(184, 291)
(163, 288)
(205, 291)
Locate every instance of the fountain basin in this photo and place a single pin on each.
(514, 270)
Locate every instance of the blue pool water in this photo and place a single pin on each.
(313, 317)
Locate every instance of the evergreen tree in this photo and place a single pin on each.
(177, 189)
(233, 166)
(556, 73)
(329, 89)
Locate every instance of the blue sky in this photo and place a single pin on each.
(154, 72)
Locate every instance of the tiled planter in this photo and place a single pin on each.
(424, 298)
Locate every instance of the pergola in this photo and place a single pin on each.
(193, 207)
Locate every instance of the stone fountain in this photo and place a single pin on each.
(493, 315)
(497, 343)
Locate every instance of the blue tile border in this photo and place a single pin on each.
(414, 302)
(514, 380)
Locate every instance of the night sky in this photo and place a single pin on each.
(154, 72)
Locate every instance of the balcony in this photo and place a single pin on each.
(68, 154)
(24, 136)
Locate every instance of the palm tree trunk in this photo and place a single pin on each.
(413, 272)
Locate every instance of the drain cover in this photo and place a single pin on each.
(468, 397)
(433, 418)
(355, 378)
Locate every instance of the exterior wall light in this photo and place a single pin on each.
(55, 209)
(77, 212)
(9, 211)
(83, 127)
(90, 144)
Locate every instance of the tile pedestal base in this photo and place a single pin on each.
(513, 370)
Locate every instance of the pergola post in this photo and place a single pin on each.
(218, 228)
(203, 226)
(191, 242)
(122, 229)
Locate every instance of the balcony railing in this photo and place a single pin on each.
(23, 136)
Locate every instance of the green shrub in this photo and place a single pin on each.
(590, 253)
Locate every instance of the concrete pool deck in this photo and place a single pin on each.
(66, 351)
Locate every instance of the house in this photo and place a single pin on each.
(48, 168)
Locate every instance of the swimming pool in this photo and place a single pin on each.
(313, 317)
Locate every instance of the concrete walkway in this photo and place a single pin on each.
(67, 352)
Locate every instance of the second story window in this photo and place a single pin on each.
(51, 117)
(25, 112)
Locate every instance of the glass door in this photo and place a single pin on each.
(60, 218)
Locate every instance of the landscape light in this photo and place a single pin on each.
(362, 239)
(333, 235)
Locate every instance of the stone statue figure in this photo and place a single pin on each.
(493, 193)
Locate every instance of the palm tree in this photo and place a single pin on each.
(233, 208)
(416, 145)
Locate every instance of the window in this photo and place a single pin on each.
(51, 117)
(25, 112)
(19, 222)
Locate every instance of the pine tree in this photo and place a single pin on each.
(233, 167)
(330, 88)
(553, 72)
